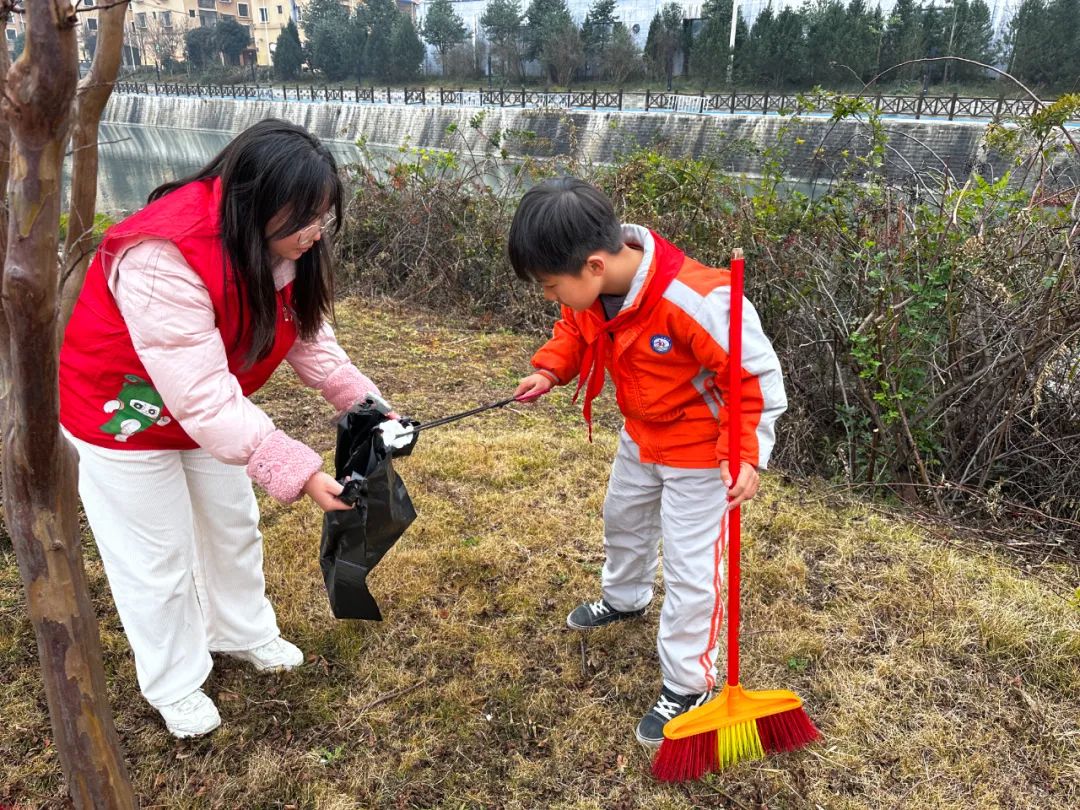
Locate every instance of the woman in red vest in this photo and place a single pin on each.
(188, 307)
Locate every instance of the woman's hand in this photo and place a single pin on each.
(533, 386)
(323, 489)
(745, 488)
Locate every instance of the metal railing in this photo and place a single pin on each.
(917, 106)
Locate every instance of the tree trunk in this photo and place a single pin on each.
(90, 101)
(38, 465)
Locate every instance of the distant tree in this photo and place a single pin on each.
(903, 40)
(973, 39)
(774, 52)
(329, 48)
(317, 11)
(1064, 43)
(443, 29)
(200, 47)
(564, 54)
(622, 58)
(406, 49)
(381, 17)
(501, 21)
(288, 53)
(165, 41)
(711, 47)
(597, 32)
(826, 43)
(546, 21)
(662, 42)
(1029, 30)
(231, 39)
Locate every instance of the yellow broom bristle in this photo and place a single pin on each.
(738, 743)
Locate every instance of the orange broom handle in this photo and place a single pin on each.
(734, 407)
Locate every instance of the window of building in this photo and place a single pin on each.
(11, 34)
(166, 19)
(191, 12)
(207, 4)
(91, 24)
(280, 11)
(264, 15)
(242, 10)
(140, 19)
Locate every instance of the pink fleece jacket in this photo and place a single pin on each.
(171, 320)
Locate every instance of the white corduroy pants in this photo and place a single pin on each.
(686, 507)
(178, 533)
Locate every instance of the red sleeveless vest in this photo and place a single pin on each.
(106, 396)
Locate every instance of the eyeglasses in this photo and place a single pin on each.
(307, 235)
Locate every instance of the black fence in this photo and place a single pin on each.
(918, 106)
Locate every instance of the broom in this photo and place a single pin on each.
(737, 724)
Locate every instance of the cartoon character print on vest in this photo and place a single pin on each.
(137, 407)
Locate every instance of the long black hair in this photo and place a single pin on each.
(273, 166)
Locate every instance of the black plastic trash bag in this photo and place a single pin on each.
(354, 540)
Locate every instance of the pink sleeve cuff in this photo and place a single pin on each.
(282, 466)
(347, 386)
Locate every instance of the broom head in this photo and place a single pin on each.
(736, 725)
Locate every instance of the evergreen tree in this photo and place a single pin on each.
(1064, 44)
(406, 49)
(903, 40)
(597, 31)
(318, 11)
(381, 16)
(230, 39)
(199, 46)
(501, 21)
(662, 42)
(328, 50)
(972, 39)
(827, 30)
(443, 29)
(773, 53)
(288, 53)
(622, 58)
(1029, 30)
(711, 47)
(545, 22)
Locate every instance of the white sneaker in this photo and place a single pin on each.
(191, 716)
(273, 656)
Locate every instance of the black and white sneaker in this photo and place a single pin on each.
(588, 615)
(650, 729)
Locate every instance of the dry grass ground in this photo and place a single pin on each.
(941, 678)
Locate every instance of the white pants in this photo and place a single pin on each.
(178, 533)
(687, 507)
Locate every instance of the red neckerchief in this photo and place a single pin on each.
(667, 261)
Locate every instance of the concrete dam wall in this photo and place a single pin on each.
(814, 145)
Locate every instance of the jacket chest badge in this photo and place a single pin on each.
(661, 344)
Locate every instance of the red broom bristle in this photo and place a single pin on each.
(786, 731)
(687, 758)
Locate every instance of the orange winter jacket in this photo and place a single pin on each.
(667, 358)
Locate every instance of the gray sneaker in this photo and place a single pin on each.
(588, 615)
(650, 729)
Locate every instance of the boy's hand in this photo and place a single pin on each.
(745, 488)
(533, 386)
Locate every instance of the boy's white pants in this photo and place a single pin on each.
(179, 537)
(687, 507)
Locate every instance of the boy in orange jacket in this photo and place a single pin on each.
(635, 306)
